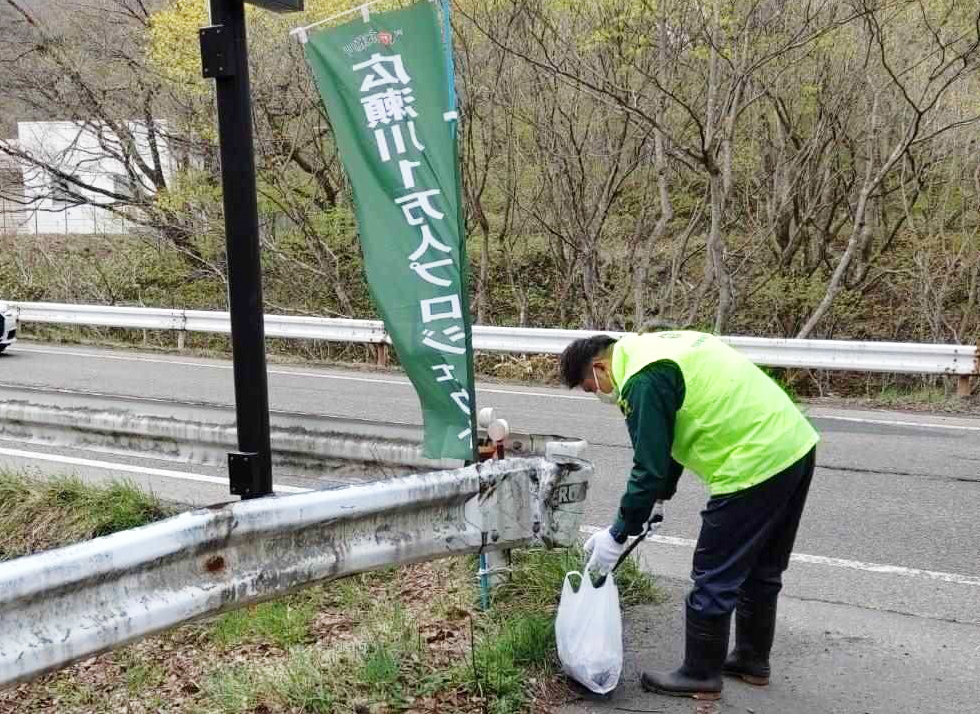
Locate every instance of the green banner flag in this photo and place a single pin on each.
(385, 86)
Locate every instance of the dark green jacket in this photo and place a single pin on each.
(650, 404)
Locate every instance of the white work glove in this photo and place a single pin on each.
(657, 517)
(603, 551)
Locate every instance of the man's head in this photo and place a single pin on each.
(586, 363)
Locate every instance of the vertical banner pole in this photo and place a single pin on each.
(486, 561)
(453, 111)
(225, 56)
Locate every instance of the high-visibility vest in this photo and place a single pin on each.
(736, 427)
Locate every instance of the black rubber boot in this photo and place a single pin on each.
(700, 675)
(755, 627)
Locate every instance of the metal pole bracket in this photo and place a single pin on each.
(217, 52)
(245, 472)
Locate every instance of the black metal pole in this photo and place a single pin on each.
(225, 57)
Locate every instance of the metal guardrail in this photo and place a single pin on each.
(203, 433)
(901, 357)
(68, 604)
(150, 318)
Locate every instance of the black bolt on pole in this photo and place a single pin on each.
(224, 56)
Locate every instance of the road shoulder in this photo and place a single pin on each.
(828, 659)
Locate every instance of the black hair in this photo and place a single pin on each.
(579, 355)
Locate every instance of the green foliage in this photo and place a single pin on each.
(233, 690)
(139, 675)
(300, 683)
(386, 663)
(282, 622)
(529, 640)
(537, 577)
(179, 60)
(518, 633)
(42, 514)
(379, 666)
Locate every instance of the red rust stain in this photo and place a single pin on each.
(215, 564)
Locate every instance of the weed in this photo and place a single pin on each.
(138, 674)
(537, 577)
(232, 689)
(529, 640)
(499, 676)
(40, 514)
(934, 397)
(379, 666)
(143, 676)
(71, 694)
(404, 637)
(282, 622)
(302, 682)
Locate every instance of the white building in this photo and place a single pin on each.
(14, 215)
(92, 154)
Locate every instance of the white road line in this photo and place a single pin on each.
(888, 569)
(893, 422)
(899, 570)
(127, 468)
(123, 358)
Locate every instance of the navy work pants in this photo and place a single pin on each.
(746, 540)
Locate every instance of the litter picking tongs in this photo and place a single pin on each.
(653, 525)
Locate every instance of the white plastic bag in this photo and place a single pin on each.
(589, 633)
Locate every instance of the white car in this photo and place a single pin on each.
(8, 326)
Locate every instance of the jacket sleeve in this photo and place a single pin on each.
(650, 404)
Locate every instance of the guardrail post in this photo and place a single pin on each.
(181, 341)
(963, 386)
(381, 354)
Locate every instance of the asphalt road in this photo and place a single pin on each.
(890, 528)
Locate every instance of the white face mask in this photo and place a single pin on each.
(605, 397)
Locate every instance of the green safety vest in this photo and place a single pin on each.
(736, 427)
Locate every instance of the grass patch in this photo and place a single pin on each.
(39, 515)
(939, 398)
(537, 577)
(405, 640)
(399, 640)
(283, 623)
(232, 690)
(140, 677)
(513, 651)
(517, 645)
(301, 685)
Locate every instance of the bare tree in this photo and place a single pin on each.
(53, 67)
(696, 112)
(906, 79)
(486, 141)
